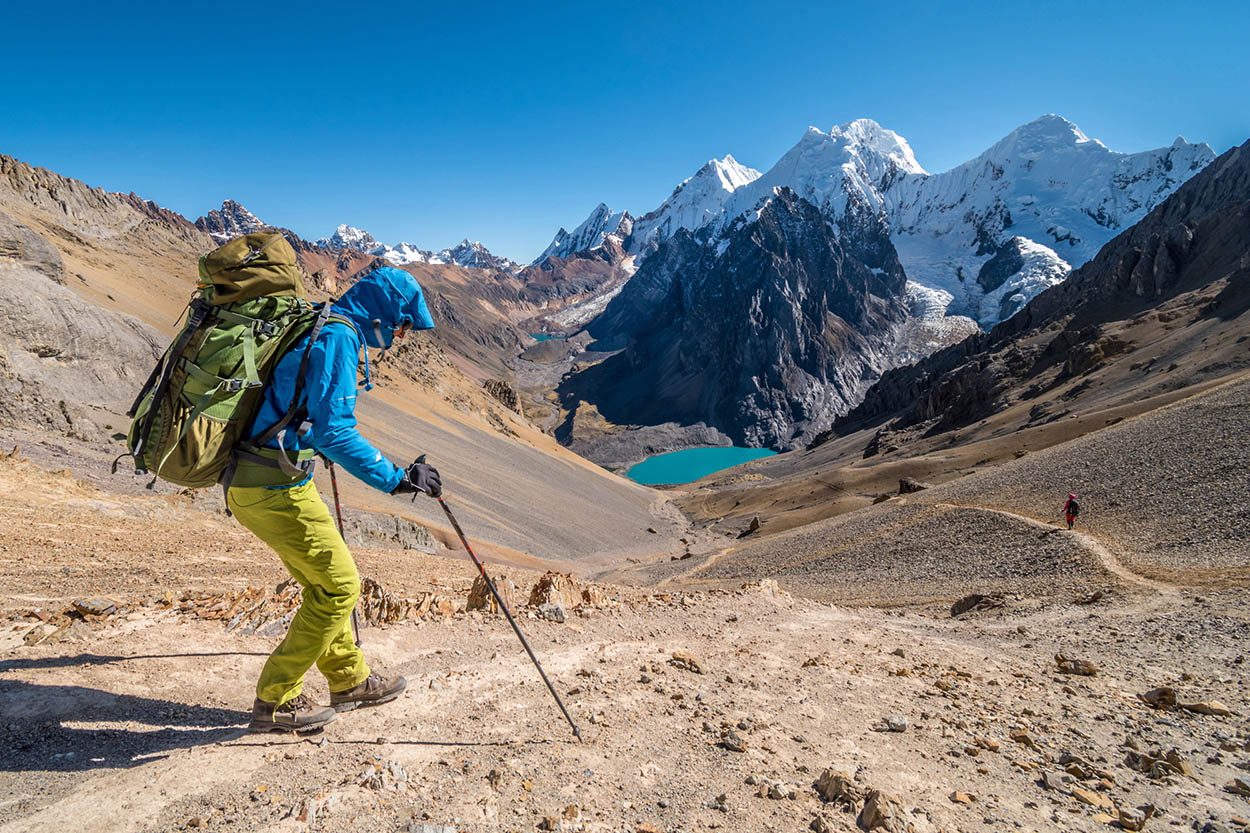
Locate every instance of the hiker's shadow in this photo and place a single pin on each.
(69, 728)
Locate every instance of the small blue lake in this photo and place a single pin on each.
(691, 463)
(545, 337)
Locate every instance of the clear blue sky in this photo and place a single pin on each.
(430, 123)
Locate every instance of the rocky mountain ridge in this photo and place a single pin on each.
(603, 223)
(1195, 239)
(1046, 183)
(764, 334)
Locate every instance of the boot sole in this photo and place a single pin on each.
(267, 726)
(351, 705)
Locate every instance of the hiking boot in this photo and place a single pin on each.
(374, 691)
(298, 715)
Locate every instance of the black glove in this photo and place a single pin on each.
(420, 477)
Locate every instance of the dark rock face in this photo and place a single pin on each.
(1199, 235)
(766, 334)
(557, 280)
(505, 393)
(1006, 262)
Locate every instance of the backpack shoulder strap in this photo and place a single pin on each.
(322, 317)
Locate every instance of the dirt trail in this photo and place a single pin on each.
(140, 728)
(1105, 558)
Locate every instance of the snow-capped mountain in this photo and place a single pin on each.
(473, 255)
(694, 203)
(404, 253)
(850, 168)
(468, 254)
(1062, 194)
(349, 237)
(603, 222)
(233, 220)
(1045, 183)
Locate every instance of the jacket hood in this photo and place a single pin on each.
(381, 302)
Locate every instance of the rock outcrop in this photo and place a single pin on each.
(65, 364)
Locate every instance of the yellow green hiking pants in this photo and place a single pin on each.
(296, 523)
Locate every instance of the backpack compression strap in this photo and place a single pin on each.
(199, 311)
(248, 450)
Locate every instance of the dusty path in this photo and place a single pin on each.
(141, 728)
(1105, 558)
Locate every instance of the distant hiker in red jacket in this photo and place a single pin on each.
(1071, 509)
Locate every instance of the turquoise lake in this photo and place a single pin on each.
(691, 463)
(544, 337)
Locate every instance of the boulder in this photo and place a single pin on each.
(555, 588)
(908, 485)
(480, 597)
(1163, 697)
(882, 811)
(836, 787)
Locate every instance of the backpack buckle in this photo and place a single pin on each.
(236, 385)
(252, 254)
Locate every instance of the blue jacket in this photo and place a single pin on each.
(377, 305)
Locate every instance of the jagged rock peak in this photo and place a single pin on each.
(602, 223)
(473, 255)
(231, 221)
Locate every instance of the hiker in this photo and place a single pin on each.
(293, 519)
(1071, 509)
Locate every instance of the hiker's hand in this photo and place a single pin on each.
(420, 477)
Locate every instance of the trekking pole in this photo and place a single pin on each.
(338, 510)
(490, 584)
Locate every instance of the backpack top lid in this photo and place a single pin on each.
(252, 266)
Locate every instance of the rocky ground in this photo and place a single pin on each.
(701, 708)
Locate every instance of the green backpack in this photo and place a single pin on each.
(190, 421)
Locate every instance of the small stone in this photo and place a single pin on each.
(881, 810)
(732, 741)
(1093, 799)
(1055, 781)
(686, 662)
(1082, 667)
(553, 613)
(1211, 707)
(549, 823)
(1021, 737)
(95, 606)
(961, 798)
(1132, 819)
(820, 824)
(1238, 786)
(836, 786)
(1078, 771)
(194, 821)
(896, 723)
(1162, 697)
